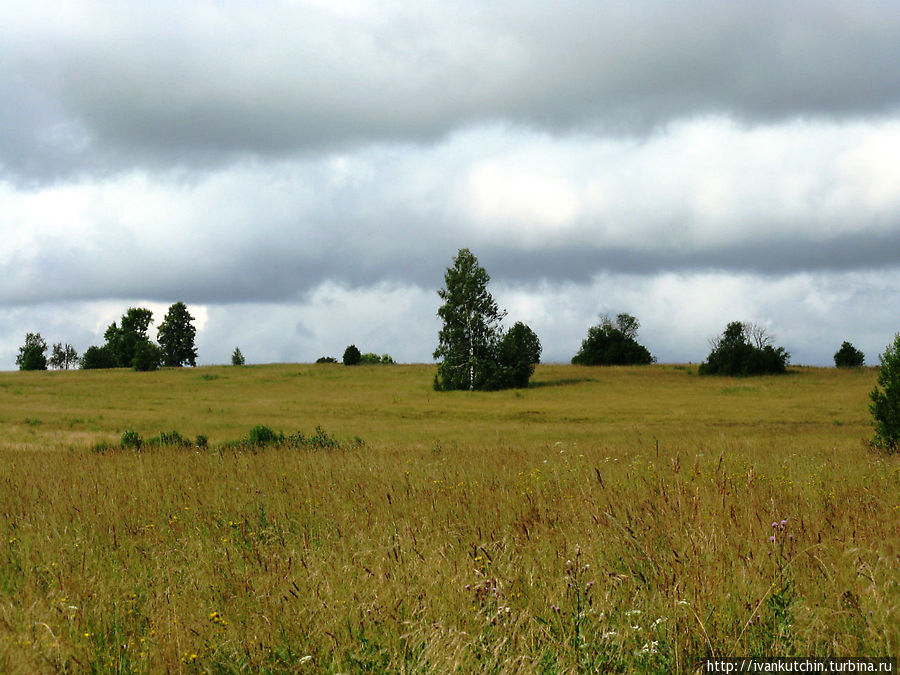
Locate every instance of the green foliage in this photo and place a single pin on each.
(885, 406)
(469, 338)
(169, 439)
(63, 357)
(519, 351)
(261, 435)
(97, 357)
(733, 353)
(122, 341)
(370, 359)
(237, 358)
(848, 356)
(132, 440)
(147, 356)
(475, 352)
(609, 344)
(326, 359)
(351, 356)
(32, 355)
(176, 337)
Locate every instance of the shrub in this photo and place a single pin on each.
(326, 359)
(261, 435)
(848, 356)
(132, 439)
(351, 356)
(169, 439)
(885, 406)
(202, 441)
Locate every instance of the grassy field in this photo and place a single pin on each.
(602, 520)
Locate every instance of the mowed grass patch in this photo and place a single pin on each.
(604, 520)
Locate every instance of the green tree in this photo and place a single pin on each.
(122, 341)
(848, 356)
(351, 356)
(237, 359)
(885, 406)
(469, 339)
(97, 357)
(63, 357)
(744, 349)
(176, 337)
(32, 355)
(520, 350)
(613, 344)
(147, 356)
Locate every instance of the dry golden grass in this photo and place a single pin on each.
(603, 520)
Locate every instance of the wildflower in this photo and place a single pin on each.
(772, 538)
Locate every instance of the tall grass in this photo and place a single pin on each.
(605, 520)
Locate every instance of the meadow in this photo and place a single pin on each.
(601, 520)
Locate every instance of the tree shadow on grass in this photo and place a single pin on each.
(561, 382)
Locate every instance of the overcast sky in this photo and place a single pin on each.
(301, 173)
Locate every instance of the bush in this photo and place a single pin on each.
(132, 439)
(351, 356)
(885, 406)
(734, 354)
(169, 439)
(326, 359)
(848, 356)
(261, 435)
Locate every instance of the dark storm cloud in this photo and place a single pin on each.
(122, 85)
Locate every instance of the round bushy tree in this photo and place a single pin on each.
(885, 406)
(609, 344)
(733, 353)
(97, 357)
(147, 356)
(352, 356)
(848, 356)
(520, 349)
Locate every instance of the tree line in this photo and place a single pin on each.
(474, 352)
(127, 345)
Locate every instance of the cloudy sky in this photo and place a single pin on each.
(301, 173)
